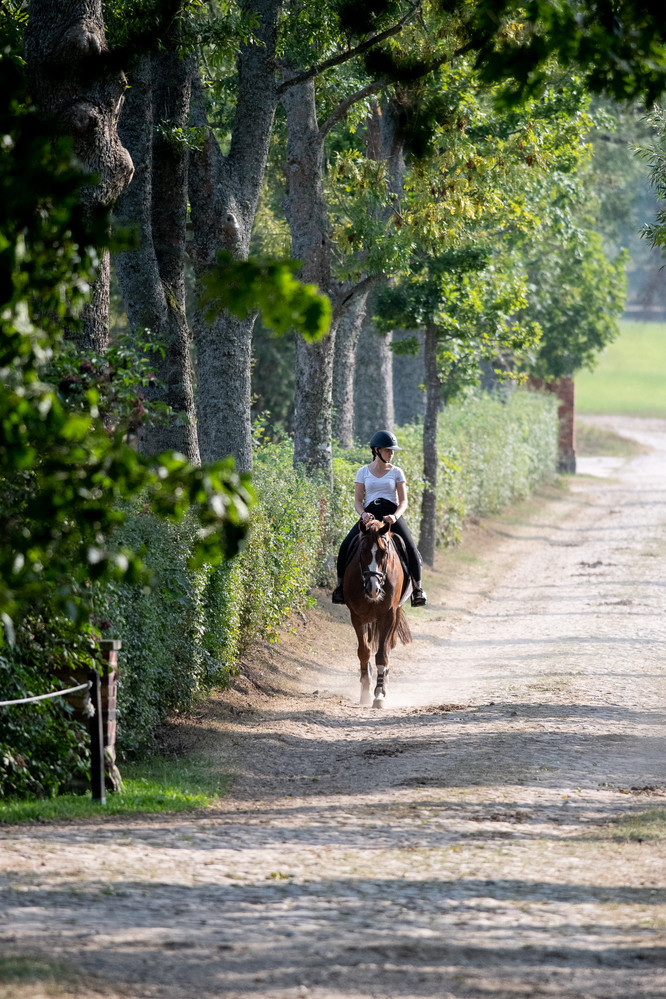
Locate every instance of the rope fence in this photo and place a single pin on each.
(43, 697)
(92, 710)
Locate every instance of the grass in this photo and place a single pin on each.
(159, 784)
(630, 377)
(647, 825)
(35, 976)
(20, 970)
(594, 442)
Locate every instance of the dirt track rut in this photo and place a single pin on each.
(474, 838)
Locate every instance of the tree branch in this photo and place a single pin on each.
(342, 57)
(343, 107)
(364, 284)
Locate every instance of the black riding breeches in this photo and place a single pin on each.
(380, 508)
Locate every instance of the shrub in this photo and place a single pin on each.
(41, 745)
(492, 451)
(164, 657)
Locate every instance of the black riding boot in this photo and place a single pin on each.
(338, 596)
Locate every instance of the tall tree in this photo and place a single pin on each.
(152, 275)
(64, 470)
(362, 375)
(373, 383)
(224, 192)
(408, 378)
(503, 179)
(347, 337)
(73, 79)
(346, 274)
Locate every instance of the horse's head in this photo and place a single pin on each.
(373, 553)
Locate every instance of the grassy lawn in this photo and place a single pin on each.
(158, 784)
(630, 377)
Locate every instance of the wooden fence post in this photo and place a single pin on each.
(109, 648)
(96, 729)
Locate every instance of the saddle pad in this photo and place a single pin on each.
(401, 551)
(352, 551)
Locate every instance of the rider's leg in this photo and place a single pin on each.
(418, 593)
(338, 596)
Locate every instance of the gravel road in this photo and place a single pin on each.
(497, 830)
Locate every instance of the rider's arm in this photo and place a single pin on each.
(359, 497)
(401, 493)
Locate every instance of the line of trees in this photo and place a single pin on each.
(427, 165)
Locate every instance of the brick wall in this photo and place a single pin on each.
(565, 390)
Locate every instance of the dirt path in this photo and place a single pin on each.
(492, 832)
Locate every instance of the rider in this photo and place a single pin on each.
(381, 494)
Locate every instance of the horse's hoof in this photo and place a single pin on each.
(378, 702)
(366, 699)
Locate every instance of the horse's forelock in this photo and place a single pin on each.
(375, 533)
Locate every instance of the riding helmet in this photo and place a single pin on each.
(384, 438)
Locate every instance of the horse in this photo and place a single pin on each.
(373, 585)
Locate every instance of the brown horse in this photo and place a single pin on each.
(373, 585)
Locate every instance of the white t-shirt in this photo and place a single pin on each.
(382, 487)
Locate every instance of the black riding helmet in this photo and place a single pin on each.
(384, 438)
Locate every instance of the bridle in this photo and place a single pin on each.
(379, 574)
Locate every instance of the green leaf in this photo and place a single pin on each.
(268, 287)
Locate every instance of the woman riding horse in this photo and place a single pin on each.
(381, 494)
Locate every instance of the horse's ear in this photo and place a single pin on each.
(385, 529)
(362, 527)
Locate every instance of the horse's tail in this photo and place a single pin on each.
(402, 631)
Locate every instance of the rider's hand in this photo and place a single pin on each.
(389, 519)
(367, 517)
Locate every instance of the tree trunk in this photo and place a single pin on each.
(151, 277)
(346, 340)
(94, 335)
(306, 214)
(72, 80)
(408, 378)
(373, 392)
(224, 193)
(373, 383)
(428, 531)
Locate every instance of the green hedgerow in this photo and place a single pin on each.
(42, 747)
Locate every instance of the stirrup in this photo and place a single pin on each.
(338, 597)
(419, 598)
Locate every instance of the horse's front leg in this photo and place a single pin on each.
(364, 660)
(386, 629)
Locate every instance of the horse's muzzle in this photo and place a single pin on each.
(373, 583)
